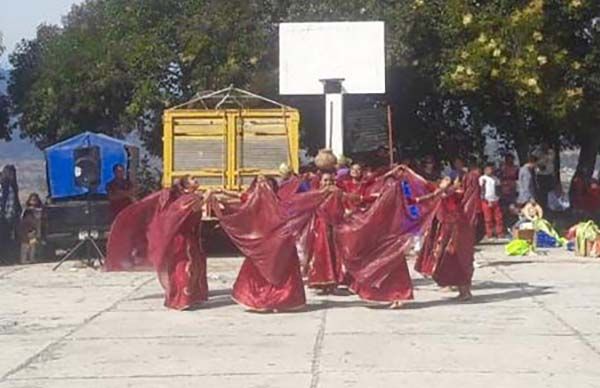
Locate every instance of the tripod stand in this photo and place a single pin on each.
(87, 240)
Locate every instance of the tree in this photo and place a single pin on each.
(529, 68)
(116, 65)
(4, 103)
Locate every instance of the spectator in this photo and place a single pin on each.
(509, 176)
(121, 192)
(528, 214)
(381, 159)
(429, 170)
(585, 194)
(594, 197)
(458, 170)
(532, 211)
(490, 204)
(526, 183)
(30, 229)
(579, 189)
(10, 210)
(557, 200)
(545, 173)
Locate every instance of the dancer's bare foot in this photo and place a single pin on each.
(464, 294)
(396, 305)
(448, 289)
(326, 290)
(465, 297)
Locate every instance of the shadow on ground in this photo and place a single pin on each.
(509, 291)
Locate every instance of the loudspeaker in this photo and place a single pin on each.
(64, 220)
(87, 167)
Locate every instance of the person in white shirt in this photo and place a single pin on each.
(490, 203)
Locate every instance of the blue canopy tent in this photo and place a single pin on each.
(60, 163)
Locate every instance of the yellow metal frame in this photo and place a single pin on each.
(231, 171)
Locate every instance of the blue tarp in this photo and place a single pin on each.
(60, 163)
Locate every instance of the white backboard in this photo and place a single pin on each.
(309, 52)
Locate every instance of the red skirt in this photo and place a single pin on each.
(448, 253)
(186, 284)
(396, 286)
(254, 292)
(425, 263)
(324, 270)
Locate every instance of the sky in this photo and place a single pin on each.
(20, 18)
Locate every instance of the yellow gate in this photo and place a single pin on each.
(228, 147)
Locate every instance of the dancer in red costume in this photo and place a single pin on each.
(264, 229)
(373, 245)
(290, 183)
(471, 200)
(356, 186)
(448, 250)
(164, 230)
(324, 268)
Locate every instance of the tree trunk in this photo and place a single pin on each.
(557, 162)
(522, 147)
(590, 147)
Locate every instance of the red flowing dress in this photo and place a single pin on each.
(289, 187)
(184, 267)
(471, 203)
(360, 195)
(471, 200)
(163, 231)
(265, 232)
(374, 244)
(449, 244)
(324, 268)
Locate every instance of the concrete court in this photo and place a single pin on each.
(534, 322)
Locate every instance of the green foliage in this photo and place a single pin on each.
(529, 68)
(525, 62)
(117, 64)
(148, 177)
(4, 104)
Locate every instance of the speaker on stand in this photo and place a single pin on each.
(87, 175)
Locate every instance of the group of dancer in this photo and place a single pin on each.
(315, 229)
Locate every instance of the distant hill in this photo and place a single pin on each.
(29, 161)
(27, 158)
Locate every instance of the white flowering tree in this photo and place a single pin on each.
(532, 66)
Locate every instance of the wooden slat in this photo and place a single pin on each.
(199, 126)
(262, 152)
(195, 154)
(265, 126)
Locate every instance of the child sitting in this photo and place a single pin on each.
(29, 229)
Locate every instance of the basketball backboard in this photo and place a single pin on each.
(352, 51)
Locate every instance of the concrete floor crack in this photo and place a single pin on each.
(576, 333)
(315, 368)
(55, 344)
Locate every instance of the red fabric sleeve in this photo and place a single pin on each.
(265, 229)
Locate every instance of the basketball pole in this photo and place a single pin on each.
(330, 139)
(390, 135)
(334, 114)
